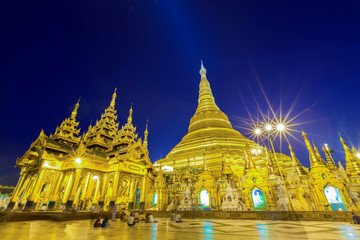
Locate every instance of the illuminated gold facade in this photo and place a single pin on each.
(213, 167)
(104, 166)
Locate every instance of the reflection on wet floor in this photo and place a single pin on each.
(190, 229)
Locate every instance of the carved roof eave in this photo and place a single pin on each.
(40, 141)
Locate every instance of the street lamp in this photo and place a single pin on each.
(257, 131)
(358, 154)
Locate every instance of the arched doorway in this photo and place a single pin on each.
(258, 200)
(155, 199)
(334, 198)
(204, 198)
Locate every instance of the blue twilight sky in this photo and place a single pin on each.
(53, 52)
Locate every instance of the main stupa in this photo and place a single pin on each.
(212, 140)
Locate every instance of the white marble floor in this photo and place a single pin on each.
(190, 229)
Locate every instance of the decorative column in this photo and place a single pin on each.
(55, 193)
(83, 196)
(74, 189)
(115, 189)
(102, 193)
(14, 199)
(31, 203)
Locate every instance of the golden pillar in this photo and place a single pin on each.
(68, 188)
(103, 192)
(86, 186)
(115, 186)
(36, 187)
(18, 187)
(75, 184)
(55, 193)
(95, 198)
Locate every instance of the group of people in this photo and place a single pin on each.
(131, 219)
(103, 224)
(176, 217)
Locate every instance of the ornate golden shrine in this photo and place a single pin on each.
(214, 167)
(104, 166)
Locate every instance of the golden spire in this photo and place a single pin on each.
(206, 98)
(352, 163)
(146, 133)
(329, 159)
(299, 168)
(112, 104)
(129, 120)
(314, 160)
(74, 112)
(202, 70)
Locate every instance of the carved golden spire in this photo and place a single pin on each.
(329, 159)
(67, 132)
(112, 104)
(74, 112)
(314, 160)
(206, 98)
(352, 162)
(146, 133)
(299, 168)
(129, 120)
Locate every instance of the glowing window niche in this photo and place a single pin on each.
(258, 200)
(204, 198)
(335, 199)
(155, 199)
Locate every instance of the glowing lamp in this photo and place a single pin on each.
(253, 151)
(268, 127)
(259, 151)
(78, 160)
(280, 127)
(95, 177)
(358, 155)
(257, 131)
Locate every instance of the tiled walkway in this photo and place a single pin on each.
(190, 229)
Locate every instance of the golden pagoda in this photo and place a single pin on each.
(211, 136)
(106, 166)
(213, 168)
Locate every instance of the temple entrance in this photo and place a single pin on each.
(204, 198)
(258, 200)
(137, 200)
(335, 199)
(155, 199)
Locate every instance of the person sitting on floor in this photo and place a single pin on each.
(105, 223)
(136, 216)
(131, 220)
(97, 222)
(355, 218)
(178, 218)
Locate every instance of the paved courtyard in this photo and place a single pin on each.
(190, 229)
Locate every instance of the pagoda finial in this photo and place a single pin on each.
(112, 104)
(146, 133)
(74, 112)
(202, 70)
(130, 114)
(299, 168)
(315, 159)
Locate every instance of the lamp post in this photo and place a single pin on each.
(280, 128)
